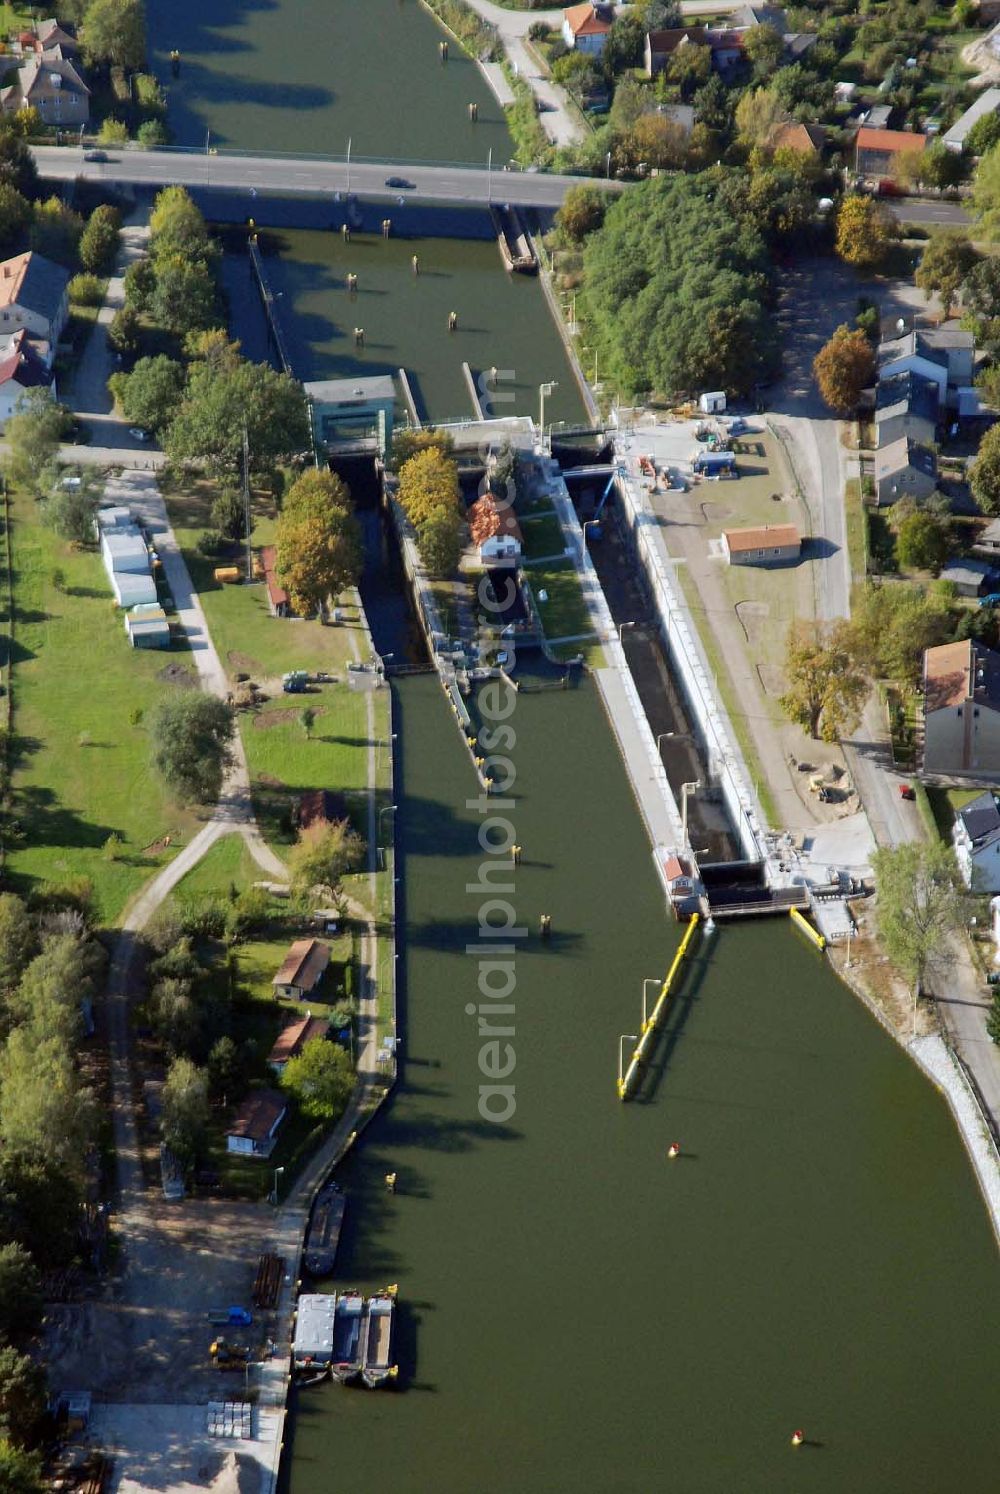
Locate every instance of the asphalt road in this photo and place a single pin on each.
(286, 175)
(926, 212)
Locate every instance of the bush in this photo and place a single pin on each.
(113, 132)
(152, 132)
(210, 543)
(86, 290)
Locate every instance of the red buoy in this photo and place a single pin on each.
(798, 1438)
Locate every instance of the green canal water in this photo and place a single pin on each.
(578, 1313)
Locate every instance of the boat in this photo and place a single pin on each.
(348, 1343)
(324, 1230)
(513, 242)
(377, 1339)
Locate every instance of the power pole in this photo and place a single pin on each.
(246, 501)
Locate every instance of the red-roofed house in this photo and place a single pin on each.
(254, 1128)
(495, 530)
(586, 26)
(293, 1038)
(21, 368)
(303, 969)
(876, 151)
(277, 596)
(962, 709)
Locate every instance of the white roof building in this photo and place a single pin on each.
(988, 102)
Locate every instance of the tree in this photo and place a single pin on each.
(307, 720)
(152, 132)
(177, 229)
(984, 134)
(114, 31)
(865, 231)
(186, 1110)
(439, 537)
(892, 626)
(185, 298)
(69, 509)
(21, 1300)
(758, 114)
(662, 15)
(42, 1107)
(427, 482)
(227, 1068)
(229, 513)
(313, 494)
(151, 394)
(922, 541)
(679, 290)
(826, 690)
(582, 211)
(22, 1397)
(323, 853)
(218, 402)
(981, 303)
(984, 474)
(40, 1208)
(100, 239)
(113, 131)
(33, 435)
(191, 733)
(764, 47)
(986, 196)
(125, 331)
(407, 442)
(993, 1016)
(321, 1079)
(56, 231)
(919, 907)
(947, 261)
(844, 368)
(317, 557)
(15, 215)
(20, 1471)
(18, 939)
(690, 67)
(140, 283)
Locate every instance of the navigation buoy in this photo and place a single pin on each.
(674, 1150)
(415, 264)
(798, 1438)
(452, 320)
(390, 1181)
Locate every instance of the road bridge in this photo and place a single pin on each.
(249, 173)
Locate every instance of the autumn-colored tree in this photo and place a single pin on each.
(844, 367)
(317, 557)
(428, 481)
(759, 113)
(582, 211)
(865, 231)
(314, 494)
(826, 690)
(323, 854)
(948, 258)
(440, 539)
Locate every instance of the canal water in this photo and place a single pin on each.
(579, 1313)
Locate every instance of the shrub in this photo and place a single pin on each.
(86, 290)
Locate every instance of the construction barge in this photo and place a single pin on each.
(514, 241)
(325, 1225)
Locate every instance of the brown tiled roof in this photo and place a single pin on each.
(892, 141)
(761, 537)
(947, 675)
(258, 1115)
(803, 137)
(304, 964)
(293, 1038)
(585, 21)
(663, 43)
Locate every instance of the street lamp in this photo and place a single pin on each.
(650, 981)
(274, 1191)
(586, 525)
(687, 789)
(489, 177)
(543, 390)
(386, 809)
(349, 165)
(607, 166)
(622, 627)
(626, 1037)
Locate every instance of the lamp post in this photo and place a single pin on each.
(607, 166)
(386, 809)
(687, 789)
(650, 981)
(489, 177)
(274, 1191)
(543, 390)
(622, 627)
(626, 1037)
(349, 165)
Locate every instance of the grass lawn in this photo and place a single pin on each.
(82, 767)
(945, 804)
(565, 613)
(543, 536)
(227, 864)
(857, 547)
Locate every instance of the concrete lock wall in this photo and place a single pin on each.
(684, 651)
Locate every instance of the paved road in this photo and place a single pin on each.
(88, 390)
(924, 211)
(288, 175)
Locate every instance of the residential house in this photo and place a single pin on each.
(762, 544)
(904, 468)
(944, 355)
(988, 540)
(303, 969)
(52, 85)
(876, 151)
(34, 295)
(970, 578)
(961, 709)
(254, 1128)
(806, 139)
(48, 36)
(277, 597)
(906, 404)
(293, 1038)
(661, 45)
(878, 117)
(953, 346)
(21, 368)
(585, 27)
(495, 530)
(988, 102)
(976, 838)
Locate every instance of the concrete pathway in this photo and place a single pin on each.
(559, 118)
(88, 391)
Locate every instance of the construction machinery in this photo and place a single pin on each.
(226, 1355)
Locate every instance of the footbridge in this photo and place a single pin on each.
(254, 174)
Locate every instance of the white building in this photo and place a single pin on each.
(21, 369)
(976, 837)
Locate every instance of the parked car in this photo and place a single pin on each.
(906, 791)
(399, 183)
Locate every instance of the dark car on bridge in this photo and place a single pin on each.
(400, 183)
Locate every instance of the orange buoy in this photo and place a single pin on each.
(798, 1438)
(674, 1150)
